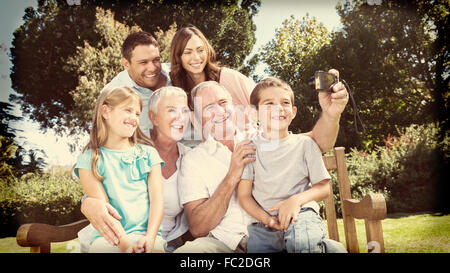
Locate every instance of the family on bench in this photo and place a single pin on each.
(246, 185)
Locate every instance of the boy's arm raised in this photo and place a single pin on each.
(326, 129)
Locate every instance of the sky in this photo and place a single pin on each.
(270, 17)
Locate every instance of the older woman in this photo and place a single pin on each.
(169, 114)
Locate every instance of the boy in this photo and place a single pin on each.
(281, 187)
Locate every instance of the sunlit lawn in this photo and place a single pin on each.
(420, 233)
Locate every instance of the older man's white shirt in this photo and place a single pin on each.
(202, 170)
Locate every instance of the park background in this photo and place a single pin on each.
(55, 56)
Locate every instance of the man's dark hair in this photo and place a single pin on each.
(136, 39)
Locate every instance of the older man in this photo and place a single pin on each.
(211, 171)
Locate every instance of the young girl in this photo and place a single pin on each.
(119, 166)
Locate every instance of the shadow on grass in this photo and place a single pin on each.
(406, 214)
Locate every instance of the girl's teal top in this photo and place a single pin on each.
(125, 182)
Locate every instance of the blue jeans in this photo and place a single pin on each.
(306, 235)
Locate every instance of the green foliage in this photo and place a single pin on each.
(386, 53)
(288, 54)
(52, 199)
(5, 118)
(7, 151)
(410, 170)
(164, 40)
(39, 51)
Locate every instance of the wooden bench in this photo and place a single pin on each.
(372, 208)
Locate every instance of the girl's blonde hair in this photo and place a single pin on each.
(111, 97)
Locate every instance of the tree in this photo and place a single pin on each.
(95, 66)
(5, 119)
(12, 155)
(51, 34)
(7, 151)
(436, 13)
(384, 53)
(39, 50)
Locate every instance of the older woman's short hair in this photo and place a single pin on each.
(163, 92)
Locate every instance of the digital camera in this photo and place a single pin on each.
(322, 81)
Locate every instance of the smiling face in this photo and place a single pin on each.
(194, 56)
(172, 117)
(123, 119)
(144, 66)
(276, 111)
(217, 113)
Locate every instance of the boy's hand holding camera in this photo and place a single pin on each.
(333, 103)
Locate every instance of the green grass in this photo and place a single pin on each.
(403, 233)
(406, 233)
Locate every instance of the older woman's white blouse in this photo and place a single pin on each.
(174, 223)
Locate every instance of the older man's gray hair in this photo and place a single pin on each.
(163, 92)
(207, 84)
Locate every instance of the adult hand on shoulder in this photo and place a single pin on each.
(103, 217)
(333, 104)
(242, 155)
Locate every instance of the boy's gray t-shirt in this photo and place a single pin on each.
(283, 168)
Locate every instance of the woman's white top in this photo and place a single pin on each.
(174, 223)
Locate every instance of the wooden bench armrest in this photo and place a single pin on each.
(39, 236)
(371, 207)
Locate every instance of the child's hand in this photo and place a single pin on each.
(125, 245)
(145, 245)
(333, 104)
(273, 222)
(287, 209)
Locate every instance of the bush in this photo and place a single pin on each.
(51, 199)
(409, 170)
